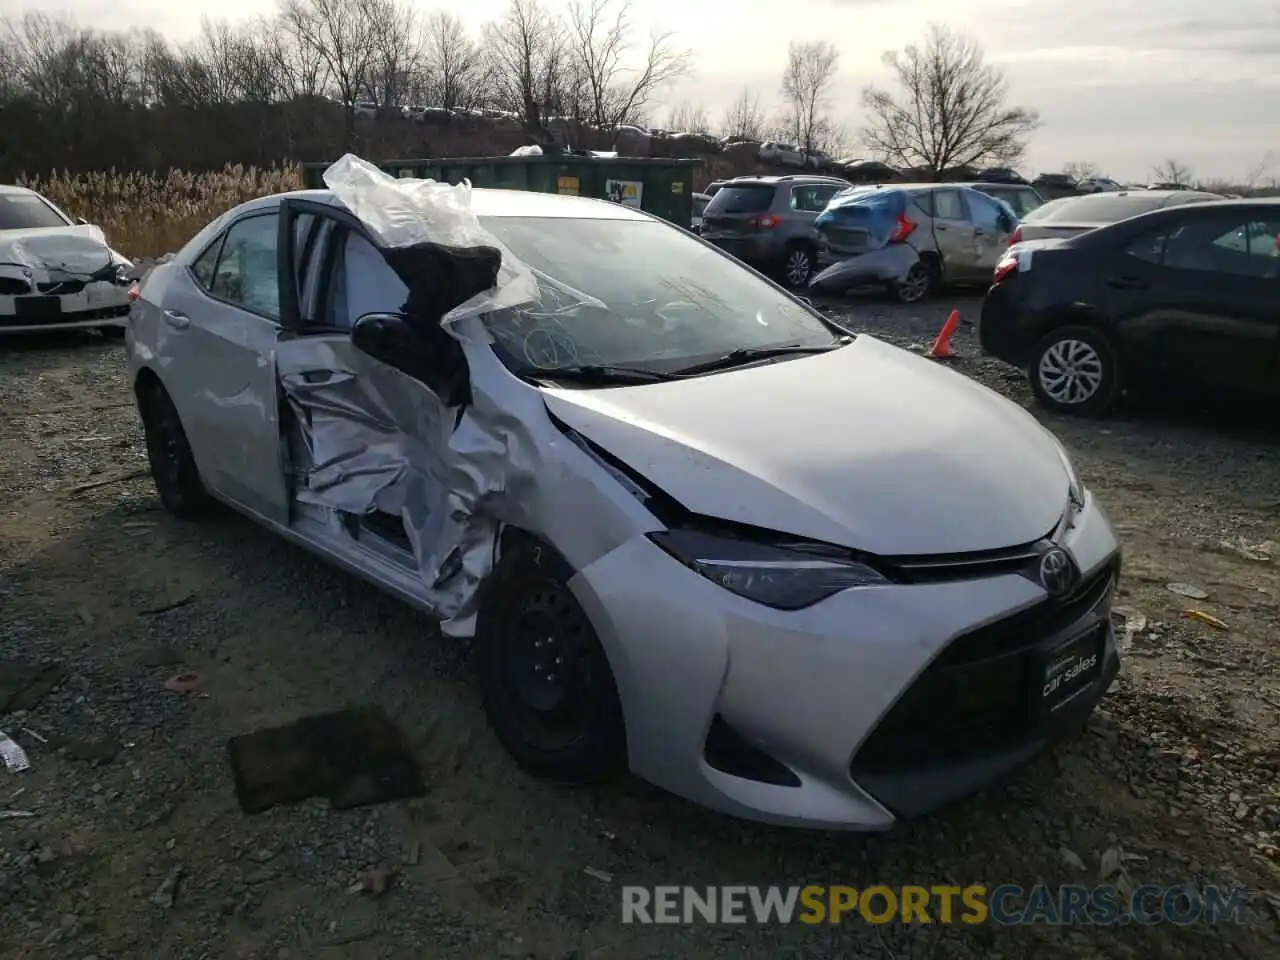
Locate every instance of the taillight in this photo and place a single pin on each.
(765, 221)
(134, 293)
(1016, 237)
(901, 230)
(1006, 267)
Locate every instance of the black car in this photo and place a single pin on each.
(1185, 293)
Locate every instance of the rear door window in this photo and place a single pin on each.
(753, 198)
(812, 198)
(984, 212)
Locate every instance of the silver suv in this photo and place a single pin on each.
(767, 222)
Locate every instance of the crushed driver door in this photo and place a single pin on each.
(369, 444)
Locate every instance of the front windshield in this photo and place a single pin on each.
(27, 211)
(636, 293)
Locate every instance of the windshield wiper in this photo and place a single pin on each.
(602, 374)
(743, 355)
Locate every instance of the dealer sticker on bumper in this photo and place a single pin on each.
(1070, 670)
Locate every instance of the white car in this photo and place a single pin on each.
(365, 108)
(55, 272)
(785, 154)
(692, 527)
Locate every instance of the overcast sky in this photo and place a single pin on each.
(1123, 86)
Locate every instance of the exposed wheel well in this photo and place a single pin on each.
(932, 261)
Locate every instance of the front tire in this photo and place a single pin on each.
(173, 467)
(545, 681)
(1075, 371)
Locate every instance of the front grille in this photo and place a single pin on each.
(13, 287)
(977, 695)
(61, 287)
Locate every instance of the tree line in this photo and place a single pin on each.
(286, 86)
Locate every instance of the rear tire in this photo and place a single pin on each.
(797, 266)
(173, 467)
(1075, 371)
(545, 682)
(915, 286)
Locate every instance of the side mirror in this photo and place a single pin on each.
(430, 356)
(385, 337)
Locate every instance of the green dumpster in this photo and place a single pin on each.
(657, 185)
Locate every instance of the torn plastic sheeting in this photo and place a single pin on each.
(452, 266)
(383, 441)
(79, 251)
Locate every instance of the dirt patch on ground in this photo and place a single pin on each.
(136, 846)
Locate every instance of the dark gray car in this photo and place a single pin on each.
(1068, 216)
(767, 222)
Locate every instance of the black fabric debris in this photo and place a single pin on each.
(353, 758)
(440, 278)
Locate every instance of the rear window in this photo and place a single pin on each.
(1099, 208)
(751, 198)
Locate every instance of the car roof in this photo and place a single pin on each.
(14, 189)
(487, 202)
(774, 180)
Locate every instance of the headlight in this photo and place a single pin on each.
(786, 579)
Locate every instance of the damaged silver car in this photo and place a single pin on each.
(692, 527)
(55, 272)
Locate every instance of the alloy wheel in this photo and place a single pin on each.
(1070, 372)
(799, 266)
(914, 285)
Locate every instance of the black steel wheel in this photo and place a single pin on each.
(173, 468)
(545, 681)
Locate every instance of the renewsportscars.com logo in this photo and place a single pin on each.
(1007, 904)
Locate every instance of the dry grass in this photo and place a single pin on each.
(146, 215)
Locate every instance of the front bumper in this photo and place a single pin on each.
(875, 705)
(99, 304)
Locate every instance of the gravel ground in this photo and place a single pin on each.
(136, 846)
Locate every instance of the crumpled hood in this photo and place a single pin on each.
(74, 250)
(868, 446)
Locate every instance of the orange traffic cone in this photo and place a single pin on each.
(941, 349)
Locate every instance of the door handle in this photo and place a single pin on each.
(1127, 283)
(177, 320)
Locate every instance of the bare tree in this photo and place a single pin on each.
(1172, 170)
(618, 88)
(526, 50)
(343, 35)
(744, 118)
(453, 61)
(1255, 177)
(950, 111)
(688, 118)
(806, 88)
(397, 51)
(1081, 170)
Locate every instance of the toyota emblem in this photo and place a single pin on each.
(1056, 572)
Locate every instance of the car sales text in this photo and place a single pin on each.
(1007, 904)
